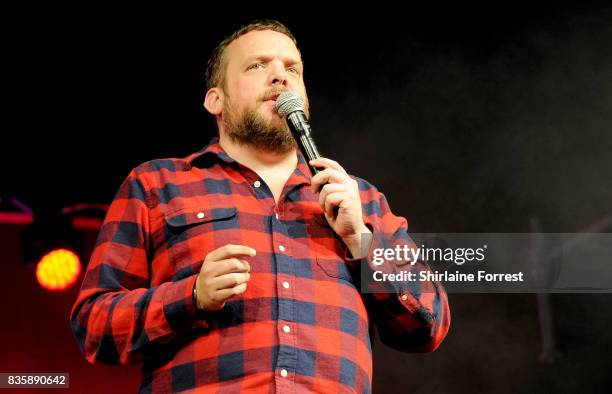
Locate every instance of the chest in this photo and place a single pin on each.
(186, 229)
(276, 185)
(275, 180)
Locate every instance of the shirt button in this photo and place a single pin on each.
(276, 214)
(286, 328)
(286, 285)
(281, 248)
(257, 184)
(404, 297)
(283, 373)
(200, 215)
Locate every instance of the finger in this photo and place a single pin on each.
(329, 175)
(331, 188)
(225, 294)
(334, 200)
(327, 163)
(218, 268)
(230, 280)
(230, 250)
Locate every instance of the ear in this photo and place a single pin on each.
(213, 102)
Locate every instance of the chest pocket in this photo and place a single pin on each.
(186, 235)
(214, 226)
(330, 251)
(336, 268)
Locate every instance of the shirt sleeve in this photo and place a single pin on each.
(117, 317)
(411, 316)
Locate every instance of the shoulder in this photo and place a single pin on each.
(367, 189)
(158, 172)
(171, 164)
(372, 199)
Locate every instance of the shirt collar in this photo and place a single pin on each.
(213, 152)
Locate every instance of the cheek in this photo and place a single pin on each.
(242, 93)
(248, 98)
(248, 89)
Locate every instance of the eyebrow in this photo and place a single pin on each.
(267, 58)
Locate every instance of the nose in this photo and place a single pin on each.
(279, 80)
(278, 76)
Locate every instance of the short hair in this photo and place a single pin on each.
(217, 63)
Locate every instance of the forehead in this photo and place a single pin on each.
(262, 43)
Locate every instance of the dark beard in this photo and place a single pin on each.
(249, 128)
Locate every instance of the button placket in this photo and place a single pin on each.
(281, 250)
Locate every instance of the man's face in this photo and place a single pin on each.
(261, 65)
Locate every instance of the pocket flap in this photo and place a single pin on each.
(186, 217)
(335, 268)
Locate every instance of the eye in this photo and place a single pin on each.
(255, 66)
(293, 70)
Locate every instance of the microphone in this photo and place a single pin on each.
(291, 106)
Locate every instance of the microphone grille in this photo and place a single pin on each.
(289, 102)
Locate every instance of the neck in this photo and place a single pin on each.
(257, 159)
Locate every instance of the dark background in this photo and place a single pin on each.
(468, 118)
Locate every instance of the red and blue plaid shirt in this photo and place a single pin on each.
(301, 326)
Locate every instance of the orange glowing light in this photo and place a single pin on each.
(58, 269)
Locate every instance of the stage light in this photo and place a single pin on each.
(54, 245)
(58, 269)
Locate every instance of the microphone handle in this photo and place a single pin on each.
(309, 149)
(300, 127)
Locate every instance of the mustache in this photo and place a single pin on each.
(271, 94)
